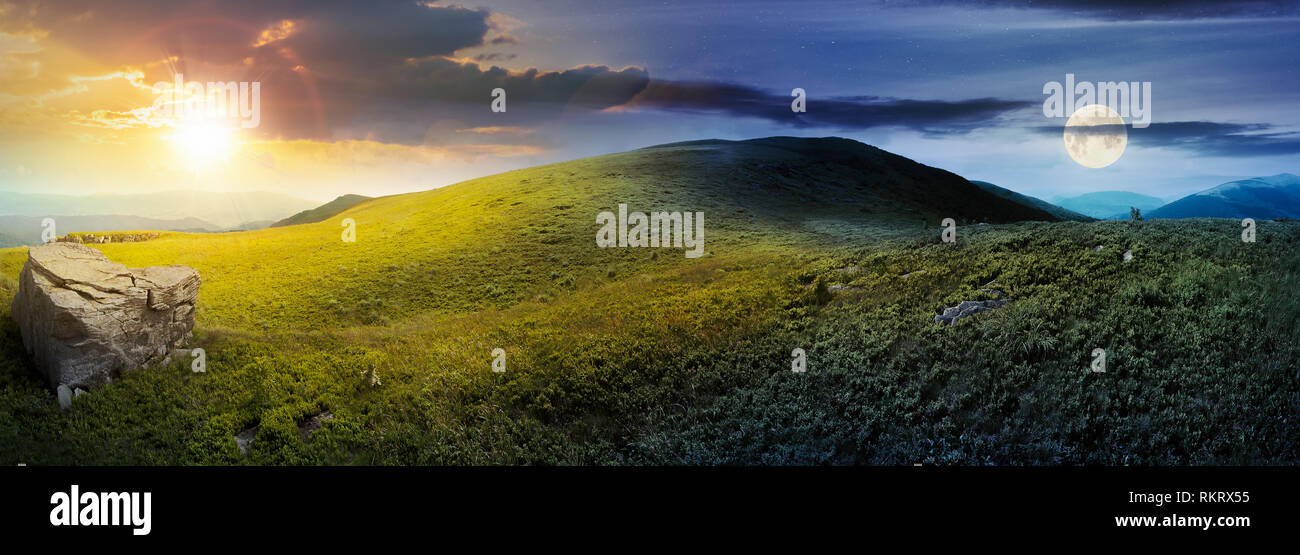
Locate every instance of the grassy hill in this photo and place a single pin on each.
(640, 355)
(322, 212)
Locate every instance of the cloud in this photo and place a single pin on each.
(383, 70)
(846, 113)
(387, 34)
(1205, 137)
(340, 31)
(495, 130)
(407, 103)
(1116, 10)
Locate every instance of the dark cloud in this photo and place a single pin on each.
(351, 38)
(448, 80)
(845, 113)
(400, 104)
(1204, 137)
(372, 31)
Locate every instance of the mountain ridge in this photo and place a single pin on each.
(1266, 197)
(324, 211)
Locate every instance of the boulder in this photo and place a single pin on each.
(85, 319)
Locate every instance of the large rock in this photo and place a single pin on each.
(85, 318)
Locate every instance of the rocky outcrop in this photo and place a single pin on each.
(85, 319)
(966, 308)
(110, 237)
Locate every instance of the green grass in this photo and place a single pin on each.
(641, 356)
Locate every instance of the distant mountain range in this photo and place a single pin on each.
(322, 212)
(219, 210)
(882, 186)
(1059, 212)
(1276, 196)
(17, 231)
(1110, 205)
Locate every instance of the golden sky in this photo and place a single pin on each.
(79, 102)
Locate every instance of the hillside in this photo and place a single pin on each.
(1276, 196)
(642, 355)
(1110, 205)
(780, 176)
(1056, 211)
(322, 212)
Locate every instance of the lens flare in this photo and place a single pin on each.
(201, 146)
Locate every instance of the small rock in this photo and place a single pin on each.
(65, 397)
(839, 288)
(1128, 256)
(1098, 248)
(245, 439)
(916, 273)
(175, 355)
(311, 425)
(78, 392)
(966, 308)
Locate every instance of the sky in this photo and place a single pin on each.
(382, 96)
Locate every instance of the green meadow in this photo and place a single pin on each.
(643, 356)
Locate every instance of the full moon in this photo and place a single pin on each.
(1095, 136)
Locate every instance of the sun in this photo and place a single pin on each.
(200, 146)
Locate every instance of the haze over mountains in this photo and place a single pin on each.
(26, 230)
(1272, 197)
(1110, 205)
(21, 213)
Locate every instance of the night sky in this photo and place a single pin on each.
(382, 97)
